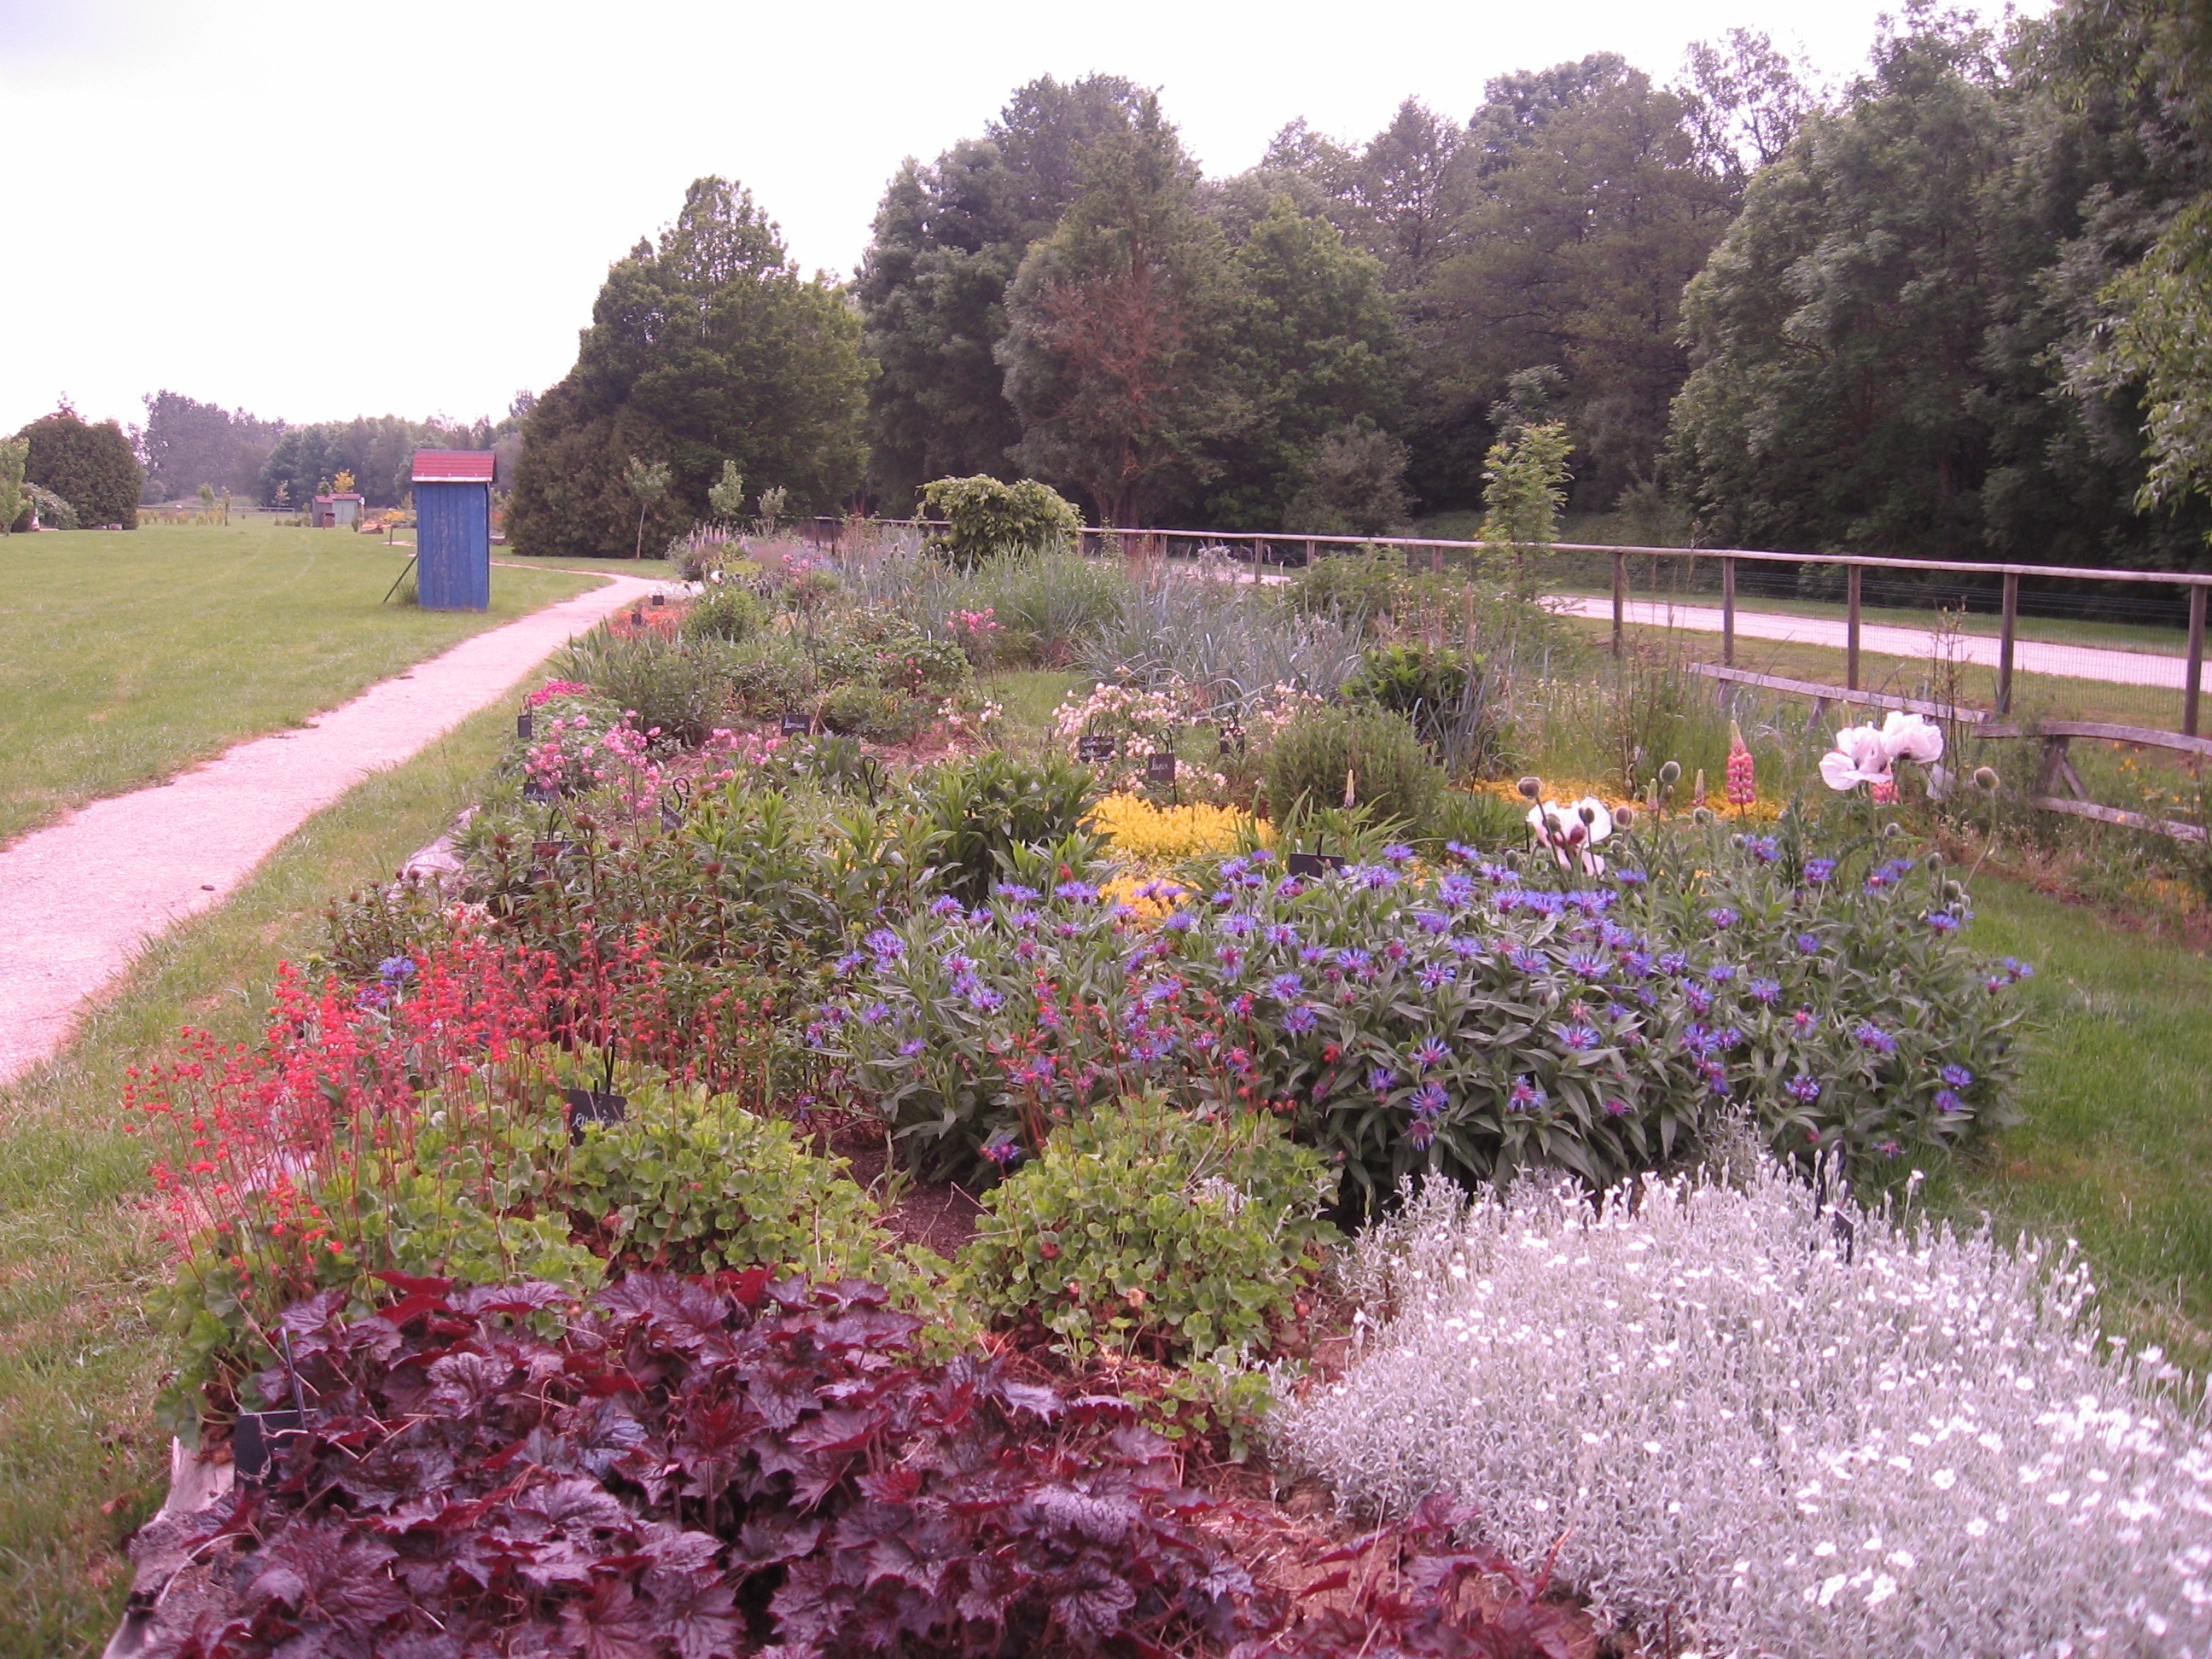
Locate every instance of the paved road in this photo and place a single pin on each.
(79, 898)
(2080, 662)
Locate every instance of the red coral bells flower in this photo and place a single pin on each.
(1742, 786)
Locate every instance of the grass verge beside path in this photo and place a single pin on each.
(2116, 1147)
(651, 570)
(127, 656)
(80, 1463)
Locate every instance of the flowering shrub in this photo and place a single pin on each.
(1808, 1430)
(1147, 833)
(1146, 1227)
(1467, 1022)
(704, 1471)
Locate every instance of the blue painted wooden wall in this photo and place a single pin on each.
(452, 543)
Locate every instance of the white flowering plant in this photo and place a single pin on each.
(1801, 1429)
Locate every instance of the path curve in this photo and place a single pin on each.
(81, 898)
(2078, 662)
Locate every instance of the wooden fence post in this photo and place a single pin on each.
(2006, 635)
(1728, 611)
(1620, 599)
(1852, 630)
(2195, 690)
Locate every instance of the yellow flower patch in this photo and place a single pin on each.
(1146, 834)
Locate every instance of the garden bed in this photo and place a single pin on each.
(1050, 1135)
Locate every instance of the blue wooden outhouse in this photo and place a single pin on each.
(452, 529)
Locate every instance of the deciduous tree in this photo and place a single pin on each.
(89, 465)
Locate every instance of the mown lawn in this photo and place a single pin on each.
(81, 1463)
(127, 656)
(2115, 1147)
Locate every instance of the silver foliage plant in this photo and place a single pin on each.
(1881, 1438)
(1198, 624)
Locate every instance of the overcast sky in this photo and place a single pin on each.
(406, 206)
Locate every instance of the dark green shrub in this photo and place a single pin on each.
(679, 688)
(874, 711)
(1415, 681)
(1358, 756)
(91, 467)
(985, 806)
(1146, 1227)
(875, 647)
(1357, 586)
(770, 677)
(987, 517)
(727, 610)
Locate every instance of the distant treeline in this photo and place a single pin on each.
(185, 443)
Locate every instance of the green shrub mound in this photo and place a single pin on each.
(986, 516)
(1147, 1227)
(679, 688)
(1358, 756)
(730, 611)
(1357, 586)
(984, 809)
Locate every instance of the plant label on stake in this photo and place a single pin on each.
(526, 723)
(795, 726)
(1093, 749)
(1313, 863)
(1159, 769)
(585, 1106)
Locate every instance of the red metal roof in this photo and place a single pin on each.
(453, 467)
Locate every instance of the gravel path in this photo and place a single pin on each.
(80, 897)
(2080, 662)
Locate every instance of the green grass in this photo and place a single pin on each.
(1029, 696)
(652, 570)
(79, 1462)
(2115, 1149)
(125, 657)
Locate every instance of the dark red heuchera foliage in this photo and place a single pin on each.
(1413, 1596)
(685, 1469)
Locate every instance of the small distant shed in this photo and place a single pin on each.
(338, 512)
(452, 529)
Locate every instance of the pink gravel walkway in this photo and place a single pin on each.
(80, 897)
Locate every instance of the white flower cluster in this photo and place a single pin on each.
(1805, 1437)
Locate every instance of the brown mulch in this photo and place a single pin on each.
(941, 1218)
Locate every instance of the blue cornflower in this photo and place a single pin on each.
(1638, 965)
(1460, 850)
(1353, 960)
(1397, 853)
(1433, 921)
(1461, 947)
(1381, 1080)
(1281, 933)
(1161, 989)
(875, 1013)
(1674, 962)
(1630, 877)
(1871, 1036)
(1374, 875)
(1180, 922)
(1943, 921)
(1076, 892)
(1525, 1095)
(849, 963)
(887, 946)
(1430, 1099)
(1260, 855)
(1015, 893)
(1720, 973)
(1455, 889)
(1431, 1053)
(1437, 974)
(1765, 990)
(1580, 1038)
(984, 999)
(1583, 965)
(1235, 866)
(1700, 1040)
(1528, 960)
(1804, 1088)
(957, 963)
(911, 1047)
(1699, 999)
(1808, 943)
(947, 905)
(1229, 957)
(1948, 1100)
(1287, 987)
(1765, 848)
(1299, 1020)
(1817, 872)
(392, 970)
(1957, 1076)
(980, 915)
(1237, 925)
(1721, 916)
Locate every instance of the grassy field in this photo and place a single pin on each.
(125, 658)
(80, 1464)
(652, 570)
(2115, 1149)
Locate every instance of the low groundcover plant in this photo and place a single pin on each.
(1802, 1430)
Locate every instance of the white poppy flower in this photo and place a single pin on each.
(1911, 737)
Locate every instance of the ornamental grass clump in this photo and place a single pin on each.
(1795, 1428)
